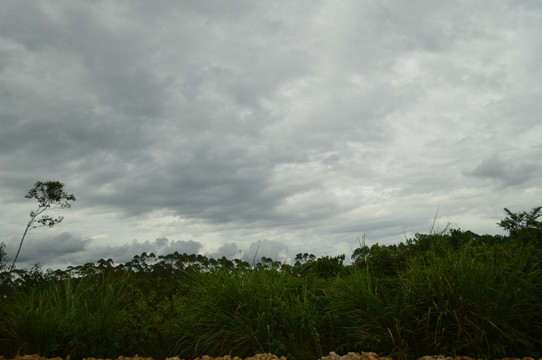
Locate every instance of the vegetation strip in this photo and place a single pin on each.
(454, 292)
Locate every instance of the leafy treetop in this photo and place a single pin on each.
(50, 194)
(523, 220)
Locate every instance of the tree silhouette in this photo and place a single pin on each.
(50, 194)
(516, 222)
(3, 257)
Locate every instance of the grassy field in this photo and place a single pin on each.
(453, 293)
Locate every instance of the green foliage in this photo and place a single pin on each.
(476, 301)
(369, 312)
(482, 301)
(38, 321)
(56, 318)
(101, 317)
(150, 325)
(308, 266)
(326, 267)
(521, 221)
(524, 226)
(452, 293)
(48, 194)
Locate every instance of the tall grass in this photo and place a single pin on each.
(371, 313)
(249, 312)
(454, 302)
(101, 317)
(39, 321)
(73, 317)
(475, 302)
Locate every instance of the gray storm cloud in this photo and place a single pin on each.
(285, 121)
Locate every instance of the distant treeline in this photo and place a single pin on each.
(452, 293)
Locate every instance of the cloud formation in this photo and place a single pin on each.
(508, 172)
(301, 123)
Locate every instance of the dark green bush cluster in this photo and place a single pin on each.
(451, 293)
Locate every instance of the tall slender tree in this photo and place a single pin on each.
(3, 257)
(50, 195)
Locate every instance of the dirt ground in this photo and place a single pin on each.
(331, 356)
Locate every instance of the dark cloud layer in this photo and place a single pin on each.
(228, 124)
(507, 172)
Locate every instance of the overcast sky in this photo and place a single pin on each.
(220, 127)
